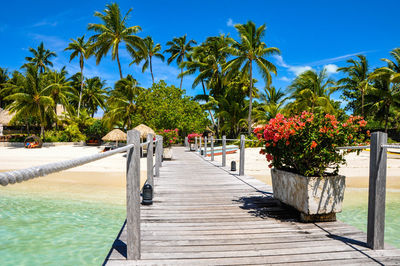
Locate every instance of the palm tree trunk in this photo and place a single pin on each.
(387, 117)
(209, 111)
(181, 78)
(151, 70)
(119, 65)
(362, 103)
(80, 93)
(250, 97)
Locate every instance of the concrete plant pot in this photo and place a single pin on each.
(316, 198)
(167, 153)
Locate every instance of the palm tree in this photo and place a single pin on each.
(150, 50)
(385, 91)
(3, 79)
(122, 102)
(356, 80)
(208, 60)
(112, 32)
(179, 50)
(58, 88)
(82, 49)
(41, 57)
(251, 49)
(312, 90)
(271, 103)
(94, 95)
(31, 99)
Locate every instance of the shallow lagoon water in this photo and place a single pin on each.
(355, 212)
(43, 230)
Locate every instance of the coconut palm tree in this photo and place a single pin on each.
(150, 50)
(179, 50)
(251, 49)
(271, 103)
(384, 94)
(122, 102)
(41, 57)
(3, 79)
(94, 95)
(112, 32)
(31, 99)
(356, 80)
(311, 91)
(58, 88)
(81, 48)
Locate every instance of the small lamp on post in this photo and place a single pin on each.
(233, 166)
(147, 195)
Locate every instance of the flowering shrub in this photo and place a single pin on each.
(192, 136)
(306, 144)
(170, 136)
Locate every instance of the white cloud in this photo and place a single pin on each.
(331, 68)
(51, 42)
(230, 23)
(297, 70)
(284, 79)
(279, 61)
(337, 59)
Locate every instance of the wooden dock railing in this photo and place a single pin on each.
(377, 179)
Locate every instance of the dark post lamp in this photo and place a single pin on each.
(147, 195)
(233, 166)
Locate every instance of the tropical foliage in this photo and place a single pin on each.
(306, 144)
(230, 100)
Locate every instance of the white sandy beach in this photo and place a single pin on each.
(105, 178)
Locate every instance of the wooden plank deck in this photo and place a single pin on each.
(204, 215)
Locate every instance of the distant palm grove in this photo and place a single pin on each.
(231, 101)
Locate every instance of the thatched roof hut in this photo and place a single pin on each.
(5, 117)
(144, 130)
(115, 135)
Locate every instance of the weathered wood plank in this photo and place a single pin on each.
(204, 215)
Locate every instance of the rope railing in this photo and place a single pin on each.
(13, 177)
(353, 147)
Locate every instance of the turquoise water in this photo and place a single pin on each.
(355, 212)
(41, 230)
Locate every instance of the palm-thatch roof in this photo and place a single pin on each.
(144, 130)
(115, 135)
(5, 117)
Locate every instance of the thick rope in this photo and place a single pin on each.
(42, 170)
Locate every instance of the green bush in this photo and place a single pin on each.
(70, 133)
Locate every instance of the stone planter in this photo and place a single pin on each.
(167, 153)
(317, 198)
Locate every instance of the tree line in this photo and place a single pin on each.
(230, 102)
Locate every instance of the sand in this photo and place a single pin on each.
(102, 180)
(356, 170)
(105, 179)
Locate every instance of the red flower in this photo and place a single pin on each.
(269, 157)
(313, 144)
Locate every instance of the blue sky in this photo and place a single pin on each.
(310, 34)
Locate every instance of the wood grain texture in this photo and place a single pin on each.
(204, 215)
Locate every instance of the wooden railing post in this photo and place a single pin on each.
(195, 144)
(377, 191)
(161, 150)
(242, 148)
(133, 196)
(205, 147)
(212, 148)
(150, 174)
(200, 145)
(186, 142)
(158, 157)
(223, 150)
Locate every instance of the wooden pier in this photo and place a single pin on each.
(204, 215)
